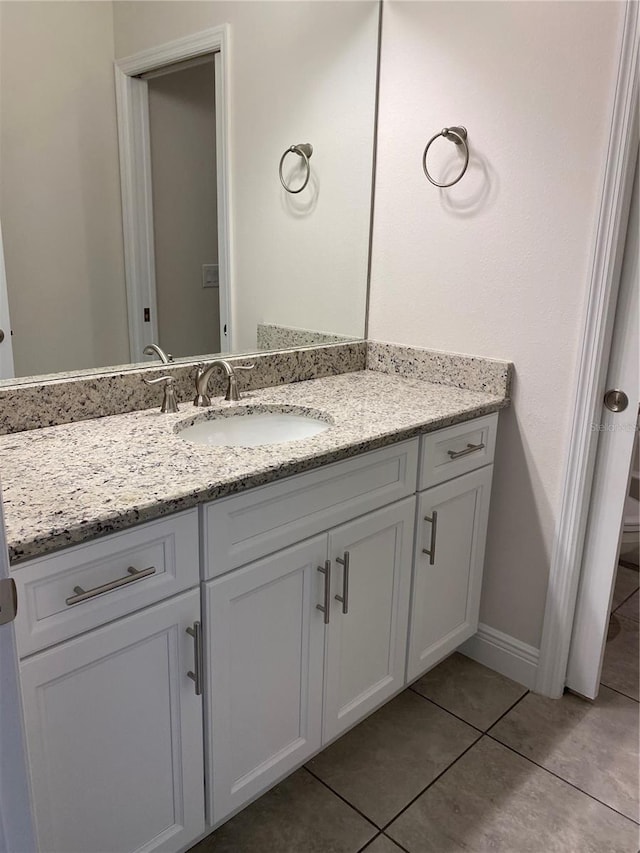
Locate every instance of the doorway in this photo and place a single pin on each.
(172, 109)
(182, 136)
(610, 506)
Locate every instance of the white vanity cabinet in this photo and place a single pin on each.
(451, 530)
(303, 643)
(322, 595)
(112, 719)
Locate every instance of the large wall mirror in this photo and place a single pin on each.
(140, 195)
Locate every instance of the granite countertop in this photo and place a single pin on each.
(65, 484)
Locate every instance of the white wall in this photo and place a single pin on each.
(183, 168)
(499, 264)
(60, 186)
(300, 72)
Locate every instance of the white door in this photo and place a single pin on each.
(452, 525)
(16, 827)
(114, 736)
(265, 647)
(610, 484)
(6, 348)
(367, 632)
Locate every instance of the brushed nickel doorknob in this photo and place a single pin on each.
(616, 400)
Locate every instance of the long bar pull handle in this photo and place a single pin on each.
(344, 598)
(470, 448)
(326, 607)
(132, 576)
(431, 553)
(196, 677)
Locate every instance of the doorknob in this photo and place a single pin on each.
(1, 335)
(616, 400)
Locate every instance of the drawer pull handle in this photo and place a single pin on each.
(431, 553)
(132, 576)
(344, 598)
(470, 448)
(326, 607)
(196, 677)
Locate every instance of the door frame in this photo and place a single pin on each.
(132, 107)
(7, 369)
(606, 261)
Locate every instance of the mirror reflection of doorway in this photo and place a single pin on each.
(182, 137)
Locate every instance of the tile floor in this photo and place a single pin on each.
(467, 760)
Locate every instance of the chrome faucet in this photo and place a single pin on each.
(203, 374)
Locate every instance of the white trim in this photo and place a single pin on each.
(504, 654)
(7, 370)
(135, 176)
(605, 270)
(223, 172)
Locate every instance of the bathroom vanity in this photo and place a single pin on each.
(177, 667)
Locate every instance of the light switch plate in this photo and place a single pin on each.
(210, 275)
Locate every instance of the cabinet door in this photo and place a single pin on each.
(114, 735)
(366, 645)
(265, 646)
(452, 524)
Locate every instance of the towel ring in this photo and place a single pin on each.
(457, 135)
(304, 150)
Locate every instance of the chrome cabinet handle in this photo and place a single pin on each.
(326, 607)
(196, 677)
(431, 553)
(470, 448)
(344, 598)
(133, 576)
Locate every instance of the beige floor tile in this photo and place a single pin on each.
(592, 745)
(627, 581)
(382, 844)
(469, 690)
(383, 763)
(300, 814)
(620, 667)
(630, 607)
(494, 800)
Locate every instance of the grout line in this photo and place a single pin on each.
(566, 781)
(624, 601)
(508, 711)
(393, 841)
(344, 800)
(432, 782)
(619, 692)
(371, 840)
(442, 708)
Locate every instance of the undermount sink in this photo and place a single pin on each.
(253, 426)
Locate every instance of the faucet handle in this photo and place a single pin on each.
(169, 402)
(243, 366)
(167, 379)
(201, 398)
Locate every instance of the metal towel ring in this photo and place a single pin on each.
(457, 135)
(305, 150)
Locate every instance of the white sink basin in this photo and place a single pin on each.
(254, 426)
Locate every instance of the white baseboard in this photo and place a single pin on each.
(504, 654)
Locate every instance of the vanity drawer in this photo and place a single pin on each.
(451, 452)
(244, 527)
(50, 609)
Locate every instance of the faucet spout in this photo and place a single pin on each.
(203, 374)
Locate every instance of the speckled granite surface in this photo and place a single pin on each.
(272, 336)
(66, 484)
(446, 368)
(64, 400)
